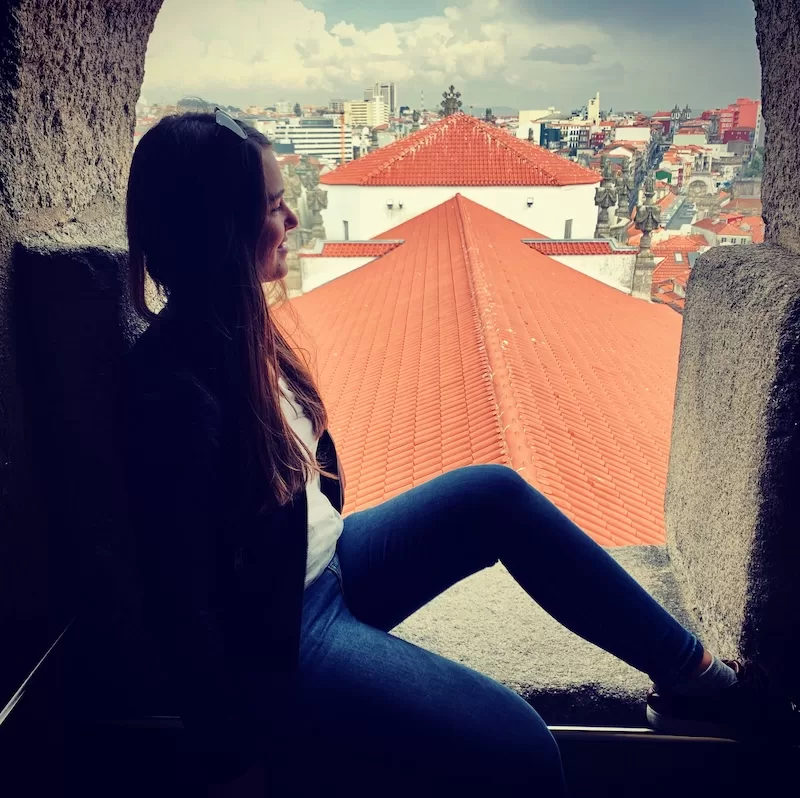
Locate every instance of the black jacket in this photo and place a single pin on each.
(224, 582)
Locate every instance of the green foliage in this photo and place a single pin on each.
(755, 167)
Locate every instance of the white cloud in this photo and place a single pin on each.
(267, 49)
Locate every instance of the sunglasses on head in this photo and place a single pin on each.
(225, 120)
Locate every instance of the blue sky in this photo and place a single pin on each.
(518, 53)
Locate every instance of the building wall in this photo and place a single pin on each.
(686, 139)
(527, 119)
(632, 133)
(318, 271)
(365, 207)
(748, 112)
(613, 270)
(322, 142)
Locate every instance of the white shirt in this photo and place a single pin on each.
(324, 521)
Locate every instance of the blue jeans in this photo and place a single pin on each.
(376, 715)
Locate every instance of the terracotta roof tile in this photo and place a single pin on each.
(353, 249)
(596, 247)
(520, 359)
(460, 150)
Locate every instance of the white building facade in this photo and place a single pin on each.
(323, 138)
(364, 212)
(369, 113)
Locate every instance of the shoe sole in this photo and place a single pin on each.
(666, 724)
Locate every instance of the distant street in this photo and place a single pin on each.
(684, 216)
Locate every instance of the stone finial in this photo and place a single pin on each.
(605, 196)
(648, 219)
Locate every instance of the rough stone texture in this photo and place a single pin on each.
(733, 518)
(778, 37)
(75, 323)
(70, 75)
(490, 624)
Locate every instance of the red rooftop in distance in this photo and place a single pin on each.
(464, 345)
(460, 150)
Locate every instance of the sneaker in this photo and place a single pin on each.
(747, 710)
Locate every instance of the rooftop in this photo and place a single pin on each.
(352, 249)
(591, 247)
(460, 150)
(675, 253)
(465, 345)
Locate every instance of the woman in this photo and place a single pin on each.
(272, 612)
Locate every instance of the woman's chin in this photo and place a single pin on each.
(277, 270)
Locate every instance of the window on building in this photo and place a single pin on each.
(568, 228)
(724, 240)
(346, 226)
(678, 257)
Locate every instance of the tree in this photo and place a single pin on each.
(298, 111)
(195, 104)
(755, 168)
(451, 103)
(489, 116)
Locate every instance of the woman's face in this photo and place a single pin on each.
(272, 244)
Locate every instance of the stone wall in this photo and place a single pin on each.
(778, 37)
(69, 80)
(733, 519)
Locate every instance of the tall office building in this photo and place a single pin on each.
(336, 106)
(370, 113)
(388, 91)
(318, 136)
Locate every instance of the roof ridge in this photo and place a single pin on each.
(484, 305)
(424, 135)
(505, 139)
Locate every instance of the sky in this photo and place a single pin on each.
(639, 54)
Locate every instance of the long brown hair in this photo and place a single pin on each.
(196, 205)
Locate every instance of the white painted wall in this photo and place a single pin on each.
(315, 272)
(632, 133)
(365, 207)
(685, 139)
(613, 270)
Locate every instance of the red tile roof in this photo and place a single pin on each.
(671, 267)
(598, 247)
(465, 345)
(744, 204)
(353, 249)
(460, 150)
(664, 292)
(709, 224)
(690, 243)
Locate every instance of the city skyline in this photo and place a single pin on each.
(520, 54)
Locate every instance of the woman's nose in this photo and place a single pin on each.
(291, 220)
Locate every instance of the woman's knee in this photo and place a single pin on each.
(528, 754)
(493, 483)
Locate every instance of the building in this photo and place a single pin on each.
(632, 133)
(336, 106)
(462, 343)
(369, 113)
(283, 107)
(664, 120)
(321, 137)
(593, 110)
(386, 91)
(730, 230)
(687, 136)
(527, 119)
(460, 154)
